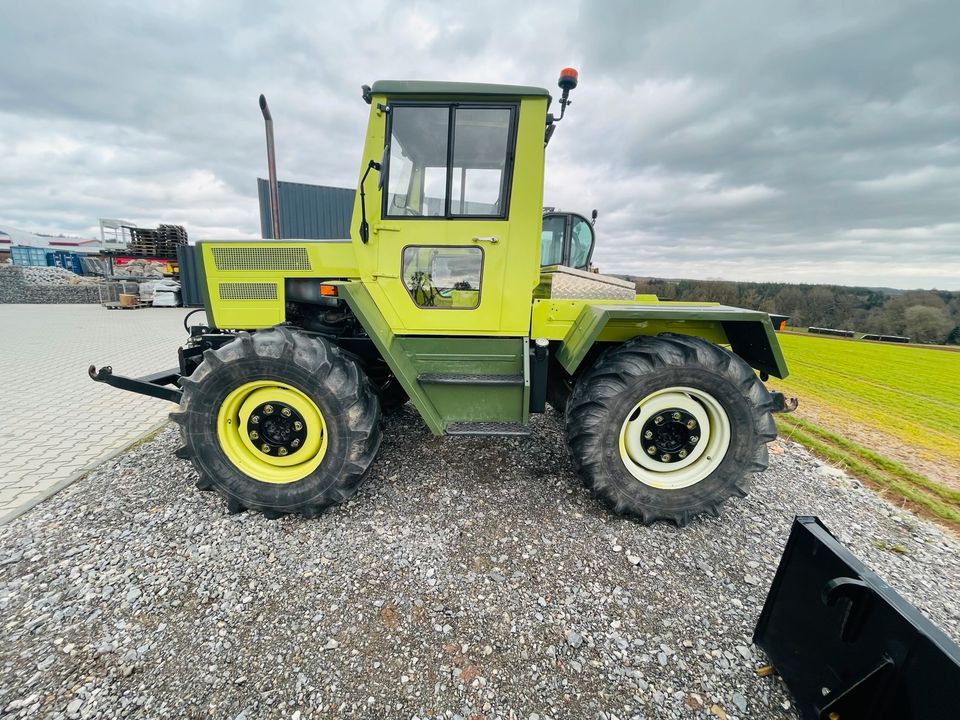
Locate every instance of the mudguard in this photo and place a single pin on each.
(749, 333)
(848, 646)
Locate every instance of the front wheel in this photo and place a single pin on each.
(668, 427)
(279, 422)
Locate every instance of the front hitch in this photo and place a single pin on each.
(153, 385)
(783, 404)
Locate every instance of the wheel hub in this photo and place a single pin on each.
(276, 429)
(670, 435)
(675, 437)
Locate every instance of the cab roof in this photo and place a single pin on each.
(430, 87)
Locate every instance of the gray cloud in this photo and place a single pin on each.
(805, 141)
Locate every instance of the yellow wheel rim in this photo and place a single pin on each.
(272, 431)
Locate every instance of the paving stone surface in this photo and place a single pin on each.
(56, 423)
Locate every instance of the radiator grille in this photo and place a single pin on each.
(248, 291)
(283, 258)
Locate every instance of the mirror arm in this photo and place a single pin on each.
(364, 227)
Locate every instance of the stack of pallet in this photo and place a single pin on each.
(143, 241)
(172, 236)
(160, 242)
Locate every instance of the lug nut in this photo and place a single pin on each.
(268, 409)
(691, 424)
(652, 450)
(285, 412)
(675, 416)
(282, 451)
(297, 425)
(265, 448)
(658, 420)
(648, 435)
(694, 439)
(665, 457)
(295, 443)
(682, 454)
(254, 435)
(255, 419)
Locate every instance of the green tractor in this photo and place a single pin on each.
(440, 298)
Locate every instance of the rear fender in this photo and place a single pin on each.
(749, 333)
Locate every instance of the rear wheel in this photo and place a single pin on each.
(279, 422)
(667, 427)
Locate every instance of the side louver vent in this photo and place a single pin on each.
(248, 291)
(259, 258)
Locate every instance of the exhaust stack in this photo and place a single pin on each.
(271, 170)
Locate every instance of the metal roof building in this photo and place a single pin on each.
(12, 237)
(310, 212)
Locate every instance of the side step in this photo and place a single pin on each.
(454, 379)
(487, 428)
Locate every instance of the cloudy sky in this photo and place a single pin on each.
(750, 140)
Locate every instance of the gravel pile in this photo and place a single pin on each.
(47, 276)
(45, 285)
(471, 577)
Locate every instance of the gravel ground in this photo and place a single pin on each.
(471, 578)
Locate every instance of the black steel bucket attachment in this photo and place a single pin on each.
(847, 645)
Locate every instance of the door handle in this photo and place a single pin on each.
(486, 238)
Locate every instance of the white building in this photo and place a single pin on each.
(12, 237)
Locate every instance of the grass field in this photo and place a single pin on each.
(888, 414)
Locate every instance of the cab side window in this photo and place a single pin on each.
(426, 179)
(418, 150)
(443, 277)
(480, 138)
(581, 242)
(551, 240)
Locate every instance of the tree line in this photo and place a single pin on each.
(927, 316)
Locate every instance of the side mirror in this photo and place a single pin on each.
(364, 226)
(593, 217)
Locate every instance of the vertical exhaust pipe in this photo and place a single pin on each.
(271, 170)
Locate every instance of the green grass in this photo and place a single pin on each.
(932, 497)
(885, 465)
(912, 394)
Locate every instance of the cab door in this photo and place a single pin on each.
(444, 232)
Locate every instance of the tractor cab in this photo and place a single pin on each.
(567, 239)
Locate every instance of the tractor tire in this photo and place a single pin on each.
(668, 427)
(279, 422)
